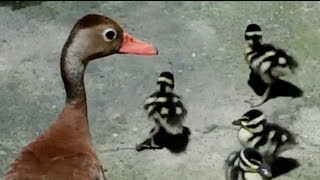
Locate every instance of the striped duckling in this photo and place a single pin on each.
(247, 164)
(268, 138)
(266, 61)
(168, 112)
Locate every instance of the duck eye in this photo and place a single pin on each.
(109, 34)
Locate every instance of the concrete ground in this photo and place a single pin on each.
(202, 43)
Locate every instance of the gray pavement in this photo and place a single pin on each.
(200, 42)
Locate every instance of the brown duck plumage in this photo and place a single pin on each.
(64, 151)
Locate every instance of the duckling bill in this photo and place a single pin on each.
(168, 113)
(266, 62)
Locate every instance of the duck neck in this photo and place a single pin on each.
(72, 72)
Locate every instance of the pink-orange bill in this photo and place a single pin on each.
(132, 45)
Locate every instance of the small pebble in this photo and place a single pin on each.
(135, 129)
(115, 135)
(2, 153)
(193, 54)
(180, 71)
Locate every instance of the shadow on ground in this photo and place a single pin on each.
(280, 88)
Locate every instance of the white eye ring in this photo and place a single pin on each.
(109, 34)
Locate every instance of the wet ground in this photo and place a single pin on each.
(200, 42)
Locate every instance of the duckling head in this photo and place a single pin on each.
(252, 161)
(165, 82)
(94, 36)
(253, 34)
(253, 121)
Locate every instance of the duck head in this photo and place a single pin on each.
(95, 36)
(165, 82)
(253, 34)
(253, 120)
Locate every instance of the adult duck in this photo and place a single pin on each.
(64, 151)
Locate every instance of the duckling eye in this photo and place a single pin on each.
(109, 34)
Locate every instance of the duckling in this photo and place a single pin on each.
(247, 164)
(268, 138)
(168, 113)
(266, 61)
(64, 151)
(165, 107)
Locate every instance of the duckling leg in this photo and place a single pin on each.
(154, 130)
(148, 143)
(259, 101)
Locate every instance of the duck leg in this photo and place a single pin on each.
(148, 143)
(259, 101)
